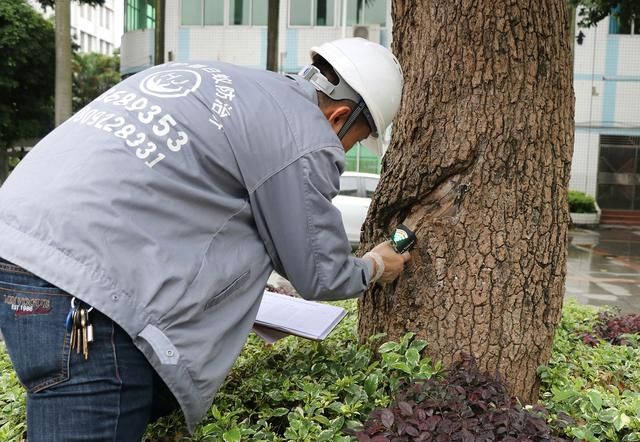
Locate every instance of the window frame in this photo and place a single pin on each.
(364, 16)
(182, 25)
(144, 21)
(202, 24)
(250, 14)
(225, 4)
(634, 26)
(313, 16)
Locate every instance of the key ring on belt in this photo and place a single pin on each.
(73, 304)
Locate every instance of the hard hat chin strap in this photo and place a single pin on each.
(340, 91)
(355, 113)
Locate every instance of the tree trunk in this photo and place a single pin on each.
(4, 164)
(63, 61)
(158, 57)
(572, 34)
(272, 35)
(479, 167)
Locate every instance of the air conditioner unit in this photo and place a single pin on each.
(368, 32)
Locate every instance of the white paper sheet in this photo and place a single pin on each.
(296, 316)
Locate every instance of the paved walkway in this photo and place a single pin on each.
(604, 267)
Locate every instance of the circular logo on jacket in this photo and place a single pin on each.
(171, 84)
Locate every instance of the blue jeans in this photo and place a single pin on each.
(112, 396)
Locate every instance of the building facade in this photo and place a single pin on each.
(97, 28)
(236, 30)
(94, 28)
(606, 159)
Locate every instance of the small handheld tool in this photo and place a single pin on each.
(403, 239)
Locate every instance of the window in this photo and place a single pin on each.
(191, 12)
(101, 16)
(248, 12)
(214, 12)
(624, 27)
(139, 14)
(260, 12)
(311, 12)
(107, 18)
(202, 12)
(374, 13)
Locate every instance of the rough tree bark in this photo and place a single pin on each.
(63, 61)
(479, 166)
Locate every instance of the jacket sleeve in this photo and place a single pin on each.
(303, 231)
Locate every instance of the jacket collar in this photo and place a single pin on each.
(307, 88)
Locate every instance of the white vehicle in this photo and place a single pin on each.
(353, 201)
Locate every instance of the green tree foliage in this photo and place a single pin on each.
(592, 11)
(26, 75)
(51, 3)
(93, 74)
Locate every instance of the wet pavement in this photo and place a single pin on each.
(604, 267)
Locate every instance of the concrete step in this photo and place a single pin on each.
(620, 217)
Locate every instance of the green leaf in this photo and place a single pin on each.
(322, 419)
(337, 423)
(371, 384)
(418, 344)
(279, 411)
(413, 357)
(232, 435)
(389, 347)
(632, 437)
(376, 337)
(595, 398)
(216, 413)
(325, 435)
(608, 415)
(563, 395)
(401, 366)
(621, 421)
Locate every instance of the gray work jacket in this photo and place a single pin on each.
(167, 202)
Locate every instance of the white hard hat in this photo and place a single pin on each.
(374, 73)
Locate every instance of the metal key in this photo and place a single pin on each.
(79, 333)
(74, 328)
(83, 327)
(89, 327)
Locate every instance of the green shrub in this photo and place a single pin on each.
(580, 202)
(300, 390)
(599, 387)
(12, 402)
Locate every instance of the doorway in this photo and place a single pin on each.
(619, 172)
